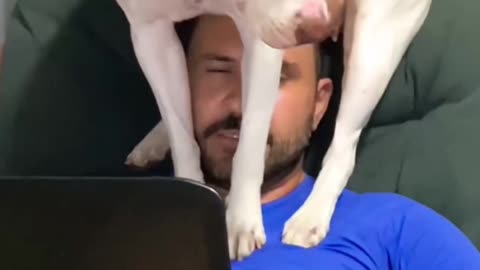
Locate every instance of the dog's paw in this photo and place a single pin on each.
(309, 225)
(245, 229)
(144, 157)
(151, 150)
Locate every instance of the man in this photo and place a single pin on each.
(369, 231)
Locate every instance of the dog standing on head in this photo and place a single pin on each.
(376, 35)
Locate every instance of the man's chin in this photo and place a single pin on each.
(217, 172)
(223, 192)
(224, 144)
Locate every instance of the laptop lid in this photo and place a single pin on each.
(111, 224)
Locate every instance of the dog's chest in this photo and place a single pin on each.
(178, 10)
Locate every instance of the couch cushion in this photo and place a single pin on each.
(73, 99)
(423, 139)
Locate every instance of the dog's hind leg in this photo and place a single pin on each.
(377, 34)
(261, 66)
(162, 60)
(152, 149)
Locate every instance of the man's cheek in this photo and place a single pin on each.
(198, 123)
(284, 107)
(281, 120)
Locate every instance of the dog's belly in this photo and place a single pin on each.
(177, 10)
(151, 10)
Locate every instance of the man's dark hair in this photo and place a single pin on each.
(329, 65)
(185, 32)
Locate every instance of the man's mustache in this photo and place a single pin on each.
(229, 122)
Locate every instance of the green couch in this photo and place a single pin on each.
(74, 102)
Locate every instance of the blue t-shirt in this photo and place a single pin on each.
(368, 231)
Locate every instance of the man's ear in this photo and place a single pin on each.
(322, 99)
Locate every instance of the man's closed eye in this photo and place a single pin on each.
(219, 70)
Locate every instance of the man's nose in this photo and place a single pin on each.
(234, 101)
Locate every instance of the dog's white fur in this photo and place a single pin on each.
(376, 35)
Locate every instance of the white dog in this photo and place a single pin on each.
(376, 35)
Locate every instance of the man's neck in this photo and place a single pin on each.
(285, 186)
(276, 186)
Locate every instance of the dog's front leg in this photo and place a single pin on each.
(377, 34)
(162, 60)
(261, 66)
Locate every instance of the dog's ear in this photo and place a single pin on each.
(320, 19)
(287, 23)
(315, 10)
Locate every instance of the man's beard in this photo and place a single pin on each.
(283, 155)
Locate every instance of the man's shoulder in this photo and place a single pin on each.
(387, 204)
(404, 217)
(378, 200)
(390, 210)
(415, 235)
(379, 210)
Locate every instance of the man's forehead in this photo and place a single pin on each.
(216, 36)
(215, 22)
(215, 33)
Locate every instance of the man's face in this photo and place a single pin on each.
(214, 62)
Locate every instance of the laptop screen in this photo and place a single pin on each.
(101, 223)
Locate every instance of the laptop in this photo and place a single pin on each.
(58, 223)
